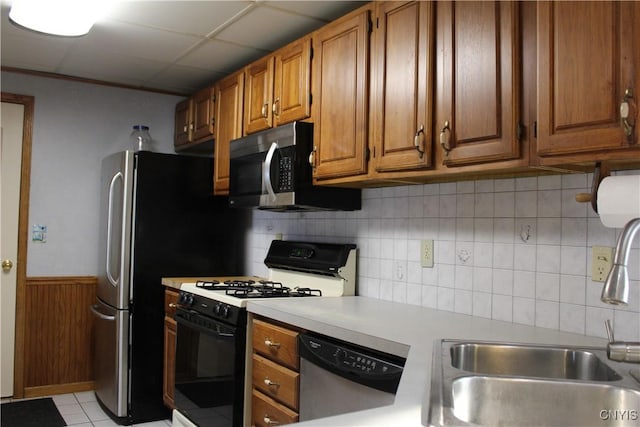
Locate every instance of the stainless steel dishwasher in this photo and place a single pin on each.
(338, 377)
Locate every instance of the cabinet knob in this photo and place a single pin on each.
(444, 137)
(271, 344)
(268, 421)
(418, 139)
(270, 383)
(173, 305)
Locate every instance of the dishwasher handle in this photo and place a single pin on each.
(365, 366)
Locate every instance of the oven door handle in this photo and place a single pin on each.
(218, 332)
(266, 175)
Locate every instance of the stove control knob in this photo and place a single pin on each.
(217, 309)
(341, 356)
(190, 300)
(225, 311)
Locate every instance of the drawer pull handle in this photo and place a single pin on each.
(270, 383)
(267, 420)
(271, 344)
(173, 305)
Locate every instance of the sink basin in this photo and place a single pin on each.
(505, 384)
(496, 401)
(530, 361)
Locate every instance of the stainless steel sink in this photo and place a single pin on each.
(530, 361)
(494, 401)
(493, 384)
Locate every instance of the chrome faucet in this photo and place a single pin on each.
(616, 292)
(616, 287)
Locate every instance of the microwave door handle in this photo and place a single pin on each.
(266, 177)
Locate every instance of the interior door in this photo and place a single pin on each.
(11, 154)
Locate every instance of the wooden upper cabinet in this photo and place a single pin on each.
(340, 84)
(258, 95)
(277, 88)
(478, 81)
(402, 94)
(204, 113)
(292, 82)
(183, 123)
(229, 97)
(587, 59)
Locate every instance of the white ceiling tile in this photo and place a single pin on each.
(32, 53)
(162, 44)
(109, 67)
(220, 56)
(187, 17)
(184, 79)
(268, 28)
(132, 40)
(323, 10)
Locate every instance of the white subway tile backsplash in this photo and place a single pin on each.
(502, 308)
(549, 204)
(482, 304)
(524, 311)
(526, 204)
(572, 318)
(517, 250)
(547, 314)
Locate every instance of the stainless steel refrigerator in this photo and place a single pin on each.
(158, 219)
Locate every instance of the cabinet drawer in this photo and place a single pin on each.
(276, 381)
(276, 343)
(266, 412)
(170, 301)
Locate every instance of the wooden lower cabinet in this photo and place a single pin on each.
(266, 412)
(275, 398)
(170, 329)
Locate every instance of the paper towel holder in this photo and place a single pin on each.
(600, 172)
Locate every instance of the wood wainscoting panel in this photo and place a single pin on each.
(58, 332)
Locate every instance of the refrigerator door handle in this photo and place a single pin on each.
(112, 280)
(94, 310)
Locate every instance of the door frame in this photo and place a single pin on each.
(23, 233)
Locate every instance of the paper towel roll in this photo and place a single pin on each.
(619, 200)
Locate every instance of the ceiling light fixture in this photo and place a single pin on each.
(70, 18)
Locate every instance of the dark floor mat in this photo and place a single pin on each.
(31, 413)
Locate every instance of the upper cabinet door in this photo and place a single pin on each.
(229, 95)
(183, 124)
(292, 84)
(587, 58)
(478, 89)
(340, 83)
(203, 114)
(402, 95)
(257, 95)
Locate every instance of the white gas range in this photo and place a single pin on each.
(212, 320)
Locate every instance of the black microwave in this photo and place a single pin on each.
(270, 170)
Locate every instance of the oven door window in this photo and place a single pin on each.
(209, 372)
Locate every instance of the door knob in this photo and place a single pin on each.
(7, 265)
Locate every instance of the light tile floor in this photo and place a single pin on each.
(82, 410)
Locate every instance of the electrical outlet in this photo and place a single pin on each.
(601, 262)
(426, 253)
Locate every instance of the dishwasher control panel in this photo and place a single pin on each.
(350, 358)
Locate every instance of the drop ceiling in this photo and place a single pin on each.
(173, 46)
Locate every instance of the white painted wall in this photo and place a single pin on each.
(75, 126)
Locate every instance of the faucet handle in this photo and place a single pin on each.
(607, 325)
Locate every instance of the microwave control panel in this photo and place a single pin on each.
(285, 177)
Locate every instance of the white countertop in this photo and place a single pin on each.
(396, 328)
